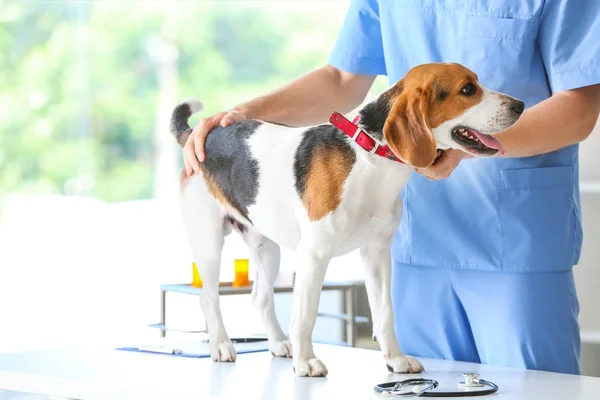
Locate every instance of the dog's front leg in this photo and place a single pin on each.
(307, 292)
(377, 261)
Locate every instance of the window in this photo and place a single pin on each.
(88, 171)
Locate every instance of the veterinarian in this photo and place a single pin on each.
(484, 255)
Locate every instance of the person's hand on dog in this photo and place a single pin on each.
(444, 164)
(193, 151)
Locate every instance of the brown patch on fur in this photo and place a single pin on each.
(183, 179)
(450, 78)
(329, 169)
(392, 93)
(416, 109)
(407, 129)
(217, 193)
(183, 137)
(213, 188)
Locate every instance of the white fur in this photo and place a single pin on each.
(366, 219)
(195, 105)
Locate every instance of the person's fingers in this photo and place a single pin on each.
(446, 171)
(232, 117)
(193, 151)
(205, 126)
(426, 172)
(187, 167)
(191, 162)
(441, 168)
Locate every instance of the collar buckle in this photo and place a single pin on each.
(374, 149)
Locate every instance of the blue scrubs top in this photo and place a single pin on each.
(511, 215)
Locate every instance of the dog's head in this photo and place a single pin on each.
(442, 106)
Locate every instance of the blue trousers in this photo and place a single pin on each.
(527, 320)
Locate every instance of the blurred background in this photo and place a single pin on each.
(89, 219)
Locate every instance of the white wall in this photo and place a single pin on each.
(587, 273)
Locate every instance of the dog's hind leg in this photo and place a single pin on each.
(206, 227)
(265, 256)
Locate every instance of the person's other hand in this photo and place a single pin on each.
(443, 165)
(193, 151)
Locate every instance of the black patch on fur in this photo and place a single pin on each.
(179, 122)
(230, 164)
(318, 137)
(374, 114)
(440, 93)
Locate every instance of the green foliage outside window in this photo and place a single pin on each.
(79, 81)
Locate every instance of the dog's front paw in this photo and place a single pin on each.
(404, 364)
(281, 348)
(312, 367)
(223, 351)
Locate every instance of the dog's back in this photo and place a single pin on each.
(278, 180)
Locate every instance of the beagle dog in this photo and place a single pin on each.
(324, 191)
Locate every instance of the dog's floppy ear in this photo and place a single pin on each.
(407, 130)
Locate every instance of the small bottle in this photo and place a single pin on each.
(241, 268)
(196, 280)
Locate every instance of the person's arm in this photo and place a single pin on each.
(311, 99)
(566, 118)
(354, 62)
(306, 101)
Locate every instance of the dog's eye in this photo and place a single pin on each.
(468, 90)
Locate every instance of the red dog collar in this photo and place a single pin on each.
(362, 138)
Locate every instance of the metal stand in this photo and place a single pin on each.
(226, 289)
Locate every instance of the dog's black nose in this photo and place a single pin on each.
(517, 106)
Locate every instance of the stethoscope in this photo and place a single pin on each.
(424, 388)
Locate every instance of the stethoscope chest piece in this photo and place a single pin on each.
(471, 381)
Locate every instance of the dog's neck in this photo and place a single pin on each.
(374, 114)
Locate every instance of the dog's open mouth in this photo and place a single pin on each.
(475, 141)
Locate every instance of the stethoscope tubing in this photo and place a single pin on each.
(388, 386)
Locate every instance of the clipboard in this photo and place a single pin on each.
(198, 348)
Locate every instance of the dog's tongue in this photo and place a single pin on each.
(487, 140)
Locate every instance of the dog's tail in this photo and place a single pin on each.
(180, 128)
